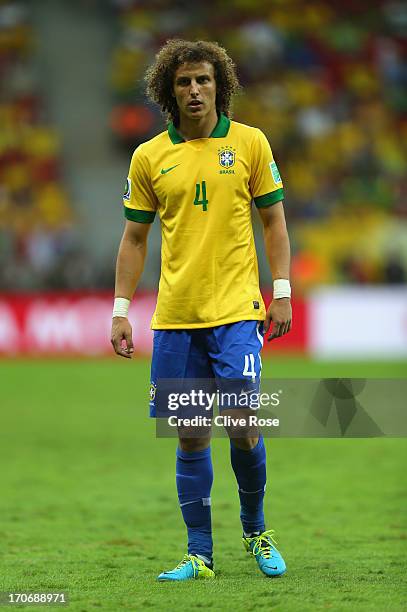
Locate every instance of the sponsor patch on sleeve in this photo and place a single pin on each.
(127, 190)
(274, 171)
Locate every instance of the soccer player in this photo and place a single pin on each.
(201, 175)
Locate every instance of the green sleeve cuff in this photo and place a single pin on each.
(268, 199)
(141, 216)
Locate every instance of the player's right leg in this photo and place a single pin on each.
(177, 355)
(194, 477)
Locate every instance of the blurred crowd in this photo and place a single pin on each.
(327, 83)
(36, 221)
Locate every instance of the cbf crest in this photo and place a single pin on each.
(153, 391)
(227, 159)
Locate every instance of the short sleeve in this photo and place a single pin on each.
(139, 199)
(265, 182)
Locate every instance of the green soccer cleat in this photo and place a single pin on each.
(190, 568)
(267, 556)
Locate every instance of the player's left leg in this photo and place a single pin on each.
(249, 465)
(236, 358)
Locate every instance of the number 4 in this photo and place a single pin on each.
(204, 201)
(249, 359)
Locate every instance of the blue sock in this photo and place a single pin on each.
(194, 477)
(249, 467)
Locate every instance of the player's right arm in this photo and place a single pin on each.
(140, 206)
(129, 267)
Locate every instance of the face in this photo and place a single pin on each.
(195, 89)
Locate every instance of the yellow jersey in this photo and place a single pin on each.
(203, 190)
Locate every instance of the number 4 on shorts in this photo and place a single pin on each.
(249, 369)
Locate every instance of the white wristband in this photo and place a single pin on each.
(120, 307)
(281, 289)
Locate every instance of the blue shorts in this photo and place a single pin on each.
(224, 358)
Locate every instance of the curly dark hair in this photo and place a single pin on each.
(160, 76)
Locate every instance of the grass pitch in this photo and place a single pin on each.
(88, 502)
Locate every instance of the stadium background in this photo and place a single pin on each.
(326, 82)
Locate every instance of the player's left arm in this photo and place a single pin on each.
(267, 191)
(277, 245)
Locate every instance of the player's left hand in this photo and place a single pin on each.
(279, 313)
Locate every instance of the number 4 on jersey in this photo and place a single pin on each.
(204, 201)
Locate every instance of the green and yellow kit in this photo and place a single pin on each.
(203, 190)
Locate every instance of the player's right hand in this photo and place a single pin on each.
(121, 337)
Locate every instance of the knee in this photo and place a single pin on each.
(244, 443)
(190, 445)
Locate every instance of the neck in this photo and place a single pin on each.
(197, 128)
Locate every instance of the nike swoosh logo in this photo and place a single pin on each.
(168, 169)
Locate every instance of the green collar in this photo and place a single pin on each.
(220, 130)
